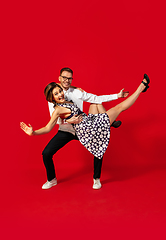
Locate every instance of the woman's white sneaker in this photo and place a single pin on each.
(96, 183)
(50, 184)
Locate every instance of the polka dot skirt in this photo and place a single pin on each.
(93, 132)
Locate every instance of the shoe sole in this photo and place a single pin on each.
(96, 188)
(49, 187)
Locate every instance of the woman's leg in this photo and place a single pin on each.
(115, 111)
(101, 109)
(96, 108)
(93, 108)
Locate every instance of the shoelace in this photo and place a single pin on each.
(96, 182)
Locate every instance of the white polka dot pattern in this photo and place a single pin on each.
(93, 132)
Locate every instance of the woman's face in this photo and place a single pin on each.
(58, 95)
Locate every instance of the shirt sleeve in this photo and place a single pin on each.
(89, 97)
(51, 108)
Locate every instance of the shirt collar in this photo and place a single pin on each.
(67, 91)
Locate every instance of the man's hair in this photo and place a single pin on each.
(48, 91)
(67, 70)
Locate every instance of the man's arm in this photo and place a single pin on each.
(92, 98)
(77, 88)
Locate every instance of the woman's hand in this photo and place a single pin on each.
(26, 129)
(75, 119)
(123, 94)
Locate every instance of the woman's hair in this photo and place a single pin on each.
(48, 91)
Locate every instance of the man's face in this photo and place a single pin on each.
(65, 80)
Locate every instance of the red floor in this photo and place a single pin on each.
(130, 205)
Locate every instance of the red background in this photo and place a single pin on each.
(109, 45)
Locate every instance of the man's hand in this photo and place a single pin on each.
(77, 88)
(123, 94)
(80, 89)
(75, 119)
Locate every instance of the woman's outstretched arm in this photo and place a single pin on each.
(29, 130)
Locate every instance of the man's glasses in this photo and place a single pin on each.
(66, 78)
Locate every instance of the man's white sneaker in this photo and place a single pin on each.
(96, 183)
(50, 184)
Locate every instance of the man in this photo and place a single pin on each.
(66, 132)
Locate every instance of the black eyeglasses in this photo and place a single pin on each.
(66, 78)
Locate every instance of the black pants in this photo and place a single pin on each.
(56, 143)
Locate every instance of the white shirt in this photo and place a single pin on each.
(78, 97)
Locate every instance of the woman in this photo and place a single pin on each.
(93, 131)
